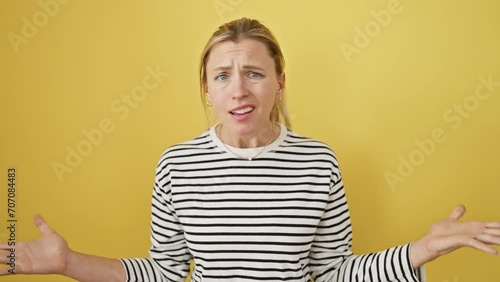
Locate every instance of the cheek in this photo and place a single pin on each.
(219, 102)
(218, 89)
(267, 103)
(209, 87)
(213, 93)
(270, 96)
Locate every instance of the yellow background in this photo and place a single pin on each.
(371, 111)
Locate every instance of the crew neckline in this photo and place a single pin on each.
(248, 152)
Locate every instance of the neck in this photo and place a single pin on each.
(262, 137)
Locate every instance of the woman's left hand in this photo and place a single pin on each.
(449, 234)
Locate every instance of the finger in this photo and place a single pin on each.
(480, 246)
(494, 232)
(457, 213)
(493, 224)
(3, 257)
(42, 225)
(4, 271)
(489, 239)
(4, 246)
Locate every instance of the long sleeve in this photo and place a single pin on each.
(331, 258)
(282, 217)
(169, 255)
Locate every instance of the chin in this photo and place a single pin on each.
(243, 129)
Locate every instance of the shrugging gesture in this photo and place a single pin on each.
(449, 234)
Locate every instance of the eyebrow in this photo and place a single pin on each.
(244, 67)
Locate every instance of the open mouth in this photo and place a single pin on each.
(242, 111)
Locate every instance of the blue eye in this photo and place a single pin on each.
(222, 77)
(255, 75)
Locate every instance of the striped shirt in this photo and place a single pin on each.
(282, 216)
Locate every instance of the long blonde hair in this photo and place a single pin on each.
(235, 31)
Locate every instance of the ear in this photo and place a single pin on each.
(281, 82)
(206, 88)
(207, 96)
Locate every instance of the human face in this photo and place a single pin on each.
(242, 85)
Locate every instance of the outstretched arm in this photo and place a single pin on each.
(169, 261)
(50, 254)
(331, 258)
(449, 234)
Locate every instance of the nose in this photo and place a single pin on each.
(239, 87)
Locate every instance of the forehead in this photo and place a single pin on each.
(248, 51)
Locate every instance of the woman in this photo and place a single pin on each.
(249, 199)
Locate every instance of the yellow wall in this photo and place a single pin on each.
(371, 97)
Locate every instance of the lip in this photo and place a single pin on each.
(242, 107)
(242, 117)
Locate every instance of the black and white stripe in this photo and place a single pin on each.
(280, 217)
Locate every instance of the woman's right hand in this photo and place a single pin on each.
(45, 255)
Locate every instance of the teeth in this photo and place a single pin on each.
(242, 111)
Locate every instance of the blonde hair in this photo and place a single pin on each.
(235, 31)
